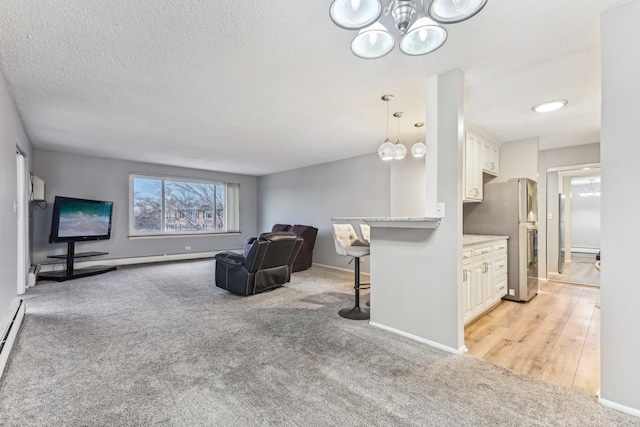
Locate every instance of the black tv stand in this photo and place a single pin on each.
(70, 272)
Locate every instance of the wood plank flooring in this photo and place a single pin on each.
(554, 337)
(580, 270)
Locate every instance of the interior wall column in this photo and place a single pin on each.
(416, 286)
(620, 151)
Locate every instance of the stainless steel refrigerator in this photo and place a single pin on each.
(511, 209)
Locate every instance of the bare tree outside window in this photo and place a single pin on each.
(147, 204)
(177, 205)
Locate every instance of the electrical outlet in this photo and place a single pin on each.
(187, 248)
(512, 292)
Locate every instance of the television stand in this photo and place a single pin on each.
(70, 272)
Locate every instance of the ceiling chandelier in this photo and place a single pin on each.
(418, 36)
(590, 192)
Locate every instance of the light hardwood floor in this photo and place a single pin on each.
(580, 270)
(554, 337)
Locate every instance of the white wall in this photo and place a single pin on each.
(585, 219)
(567, 156)
(518, 159)
(108, 179)
(12, 136)
(620, 293)
(408, 186)
(359, 186)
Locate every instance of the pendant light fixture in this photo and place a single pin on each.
(387, 150)
(419, 149)
(400, 151)
(418, 22)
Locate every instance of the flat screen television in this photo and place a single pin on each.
(76, 220)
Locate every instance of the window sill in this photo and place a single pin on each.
(171, 236)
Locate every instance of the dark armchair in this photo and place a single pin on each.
(275, 229)
(267, 265)
(308, 234)
(305, 256)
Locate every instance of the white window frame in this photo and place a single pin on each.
(231, 213)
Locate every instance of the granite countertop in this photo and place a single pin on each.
(393, 222)
(470, 239)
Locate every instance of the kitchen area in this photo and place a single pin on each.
(457, 264)
(513, 316)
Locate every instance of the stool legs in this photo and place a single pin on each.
(356, 313)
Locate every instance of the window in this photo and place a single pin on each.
(162, 205)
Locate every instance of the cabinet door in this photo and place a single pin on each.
(487, 283)
(490, 156)
(500, 288)
(467, 293)
(472, 169)
(477, 277)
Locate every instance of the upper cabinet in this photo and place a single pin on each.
(481, 155)
(491, 157)
(472, 170)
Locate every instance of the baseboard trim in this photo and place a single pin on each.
(9, 334)
(619, 407)
(131, 261)
(585, 250)
(458, 351)
(363, 273)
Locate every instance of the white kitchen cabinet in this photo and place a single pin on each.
(484, 277)
(490, 157)
(481, 155)
(472, 168)
(468, 293)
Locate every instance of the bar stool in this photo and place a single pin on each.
(348, 244)
(365, 232)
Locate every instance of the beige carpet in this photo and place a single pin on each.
(161, 345)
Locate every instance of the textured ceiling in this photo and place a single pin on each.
(260, 87)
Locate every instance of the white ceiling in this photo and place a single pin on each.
(258, 87)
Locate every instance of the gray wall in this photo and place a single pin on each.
(518, 159)
(568, 156)
(12, 136)
(107, 179)
(585, 218)
(359, 186)
(620, 293)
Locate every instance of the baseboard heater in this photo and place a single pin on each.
(9, 335)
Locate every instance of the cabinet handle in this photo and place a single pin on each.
(464, 275)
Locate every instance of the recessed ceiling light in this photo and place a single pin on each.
(546, 107)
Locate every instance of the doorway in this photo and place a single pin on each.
(22, 211)
(573, 240)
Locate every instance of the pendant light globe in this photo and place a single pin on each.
(387, 150)
(418, 149)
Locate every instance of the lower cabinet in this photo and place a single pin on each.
(484, 277)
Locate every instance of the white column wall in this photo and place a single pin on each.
(420, 295)
(620, 293)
